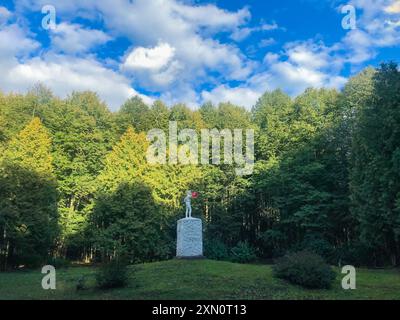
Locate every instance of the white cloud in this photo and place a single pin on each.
(270, 58)
(211, 16)
(61, 73)
(74, 38)
(176, 50)
(186, 27)
(269, 27)
(183, 94)
(189, 30)
(394, 8)
(294, 79)
(375, 30)
(5, 14)
(305, 64)
(266, 42)
(308, 55)
(393, 23)
(149, 58)
(239, 34)
(302, 65)
(167, 76)
(359, 46)
(65, 74)
(14, 43)
(241, 96)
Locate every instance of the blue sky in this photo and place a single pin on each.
(192, 51)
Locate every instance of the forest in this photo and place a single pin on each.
(75, 183)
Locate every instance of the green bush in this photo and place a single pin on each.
(112, 275)
(305, 269)
(243, 253)
(216, 250)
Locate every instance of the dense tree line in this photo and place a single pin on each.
(75, 183)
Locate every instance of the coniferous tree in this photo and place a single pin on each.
(375, 179)
(28, 196)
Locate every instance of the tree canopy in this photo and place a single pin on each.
(75, 182)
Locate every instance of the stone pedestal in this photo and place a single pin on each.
(189, 242)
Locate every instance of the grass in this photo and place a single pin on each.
(196, 280)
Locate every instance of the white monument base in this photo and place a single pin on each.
(189, 242)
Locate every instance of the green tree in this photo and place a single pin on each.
(301, 187)
(28, 196)
(82, 133)
(135, 113)
(126, 162)
(159, 116)
(127, 223)
(375, 180)
(186, 118)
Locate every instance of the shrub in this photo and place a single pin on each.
(112, 275)
(216, 250)
(243, 253)
(306, 269)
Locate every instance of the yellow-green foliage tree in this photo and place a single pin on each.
(125, 163)
(28, 198)
(126, 220)
(136, 201)
(82, 133)
(169, 183)
(30, 149)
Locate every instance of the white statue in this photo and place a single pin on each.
(187, 201)
(189, 240)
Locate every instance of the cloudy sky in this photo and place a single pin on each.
(192, 51)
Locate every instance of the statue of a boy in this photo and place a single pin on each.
(187, 202)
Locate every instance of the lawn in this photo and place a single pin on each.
(196, 279)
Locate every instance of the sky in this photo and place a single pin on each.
(192, 52)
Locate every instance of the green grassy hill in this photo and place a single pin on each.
(197, 279)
